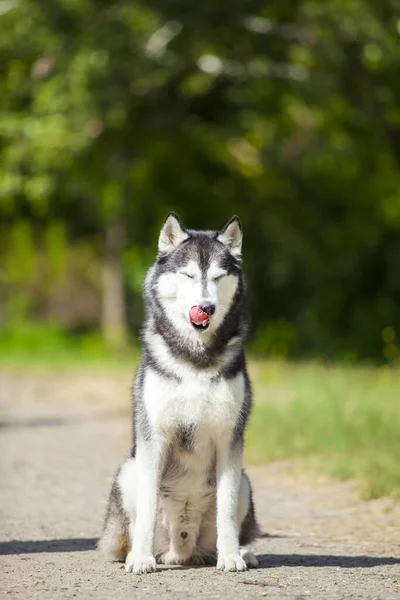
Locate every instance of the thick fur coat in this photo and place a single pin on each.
(182, 496)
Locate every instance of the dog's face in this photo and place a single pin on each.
(199, 275)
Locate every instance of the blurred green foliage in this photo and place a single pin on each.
(286, 113)
(38, 346)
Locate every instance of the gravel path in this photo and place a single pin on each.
(62, 437)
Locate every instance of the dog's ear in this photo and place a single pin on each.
(172, 234)
(232, 236)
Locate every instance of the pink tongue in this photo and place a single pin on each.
(198, 316)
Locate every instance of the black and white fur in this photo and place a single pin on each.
(182, 496)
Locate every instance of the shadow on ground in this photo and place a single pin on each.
(271, 561)
(267, 561)
(35, 422)
(62, 545)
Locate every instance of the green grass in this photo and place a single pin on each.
(343, 421)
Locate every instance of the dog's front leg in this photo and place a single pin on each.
(149, 464)
(229, 469)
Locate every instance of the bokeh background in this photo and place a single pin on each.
(284, 112)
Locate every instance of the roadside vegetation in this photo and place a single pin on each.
(342, 420)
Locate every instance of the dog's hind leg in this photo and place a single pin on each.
(114, 542)
(249, 529)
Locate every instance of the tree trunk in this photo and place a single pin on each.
(113, 318)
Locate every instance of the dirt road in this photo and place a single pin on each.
(62, 438)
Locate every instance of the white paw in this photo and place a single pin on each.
(249, 558)
(139, 564)
(170, 558)
(231, 562)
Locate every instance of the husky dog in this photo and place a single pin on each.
(182, 496)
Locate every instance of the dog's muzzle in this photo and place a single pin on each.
(199, 316)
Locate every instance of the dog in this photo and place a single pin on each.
(182, 496)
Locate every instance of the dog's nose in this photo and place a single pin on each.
(208, 308)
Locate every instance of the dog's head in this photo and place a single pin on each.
(198, 274)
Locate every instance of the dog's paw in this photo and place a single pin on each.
(139, 564)
(249, 558)
(231, 562)
(170, 558)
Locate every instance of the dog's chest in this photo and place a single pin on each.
(197, 399)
